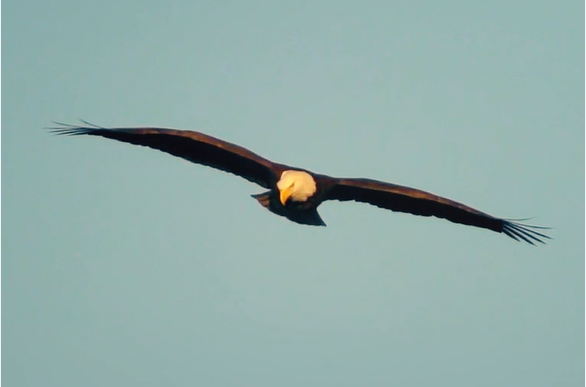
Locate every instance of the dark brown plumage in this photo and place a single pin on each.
(296, 193)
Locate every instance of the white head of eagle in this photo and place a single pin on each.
(297, 185)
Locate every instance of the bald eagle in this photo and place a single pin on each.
(295, 193)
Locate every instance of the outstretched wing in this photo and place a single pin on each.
(404, 199)
(193, 146)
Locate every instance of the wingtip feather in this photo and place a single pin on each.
(63, 129)
(525, 232)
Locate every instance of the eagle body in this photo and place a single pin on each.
(296, 193)
(298, 197)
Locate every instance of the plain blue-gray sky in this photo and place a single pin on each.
(127, 266)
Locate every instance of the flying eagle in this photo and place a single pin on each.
(295, 193)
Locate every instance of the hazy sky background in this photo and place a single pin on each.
(124, 266)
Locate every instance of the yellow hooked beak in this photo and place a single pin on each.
(284, 194)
